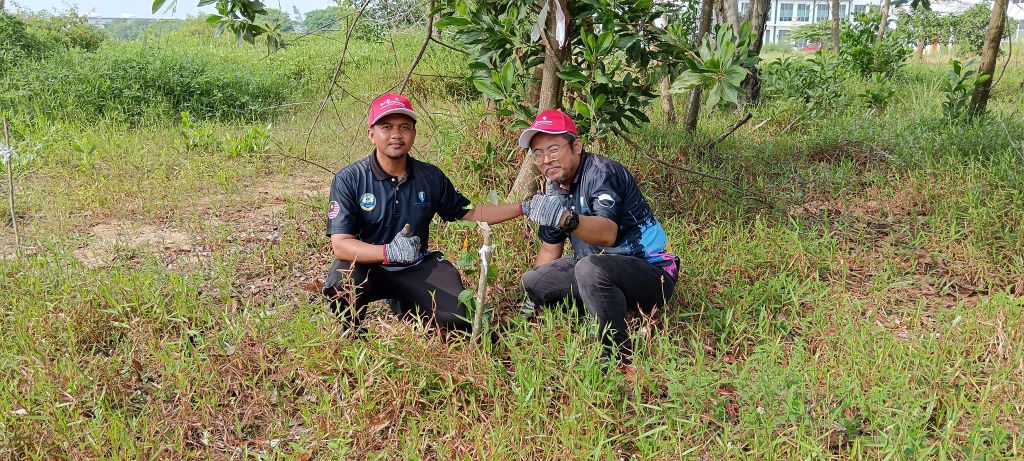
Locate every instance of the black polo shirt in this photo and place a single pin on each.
(603, 187)
(374, 206)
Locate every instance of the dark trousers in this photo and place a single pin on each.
(429, 290)
(606, 286)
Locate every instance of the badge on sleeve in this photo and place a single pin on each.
(605, 200)
(334, 209)
(367, 202)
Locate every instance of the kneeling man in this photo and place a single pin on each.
(619, 260)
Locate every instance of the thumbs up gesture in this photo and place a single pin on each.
(546, 209)
(404, 249)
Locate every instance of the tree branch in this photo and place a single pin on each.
(448, 46)
(423, 48)
(334, 78)
(736, 185)
(741, 122)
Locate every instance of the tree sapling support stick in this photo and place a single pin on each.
(481, 287)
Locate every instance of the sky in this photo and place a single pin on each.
(142, 8)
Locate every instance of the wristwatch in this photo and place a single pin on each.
(571, 223)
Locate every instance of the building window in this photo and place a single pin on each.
(803, 12)
(785, 12)
(782, 35)
(822, 12)
(743, 9)
(859, 9)
(842, 11)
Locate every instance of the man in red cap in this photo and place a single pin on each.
(619, 260)
(378, 221)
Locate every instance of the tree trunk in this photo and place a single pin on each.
(885, 19)
(551, 85)
(835, 26)
(989, 54)
(533, 97)
(758, 20)
(549, 97)
(666, 100)
(693, 104)
(732, 14)
(527, 180)
(919, 50)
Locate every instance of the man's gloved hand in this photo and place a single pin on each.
(404, 249)
(546, 209)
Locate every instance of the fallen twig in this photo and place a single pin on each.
(741, 122)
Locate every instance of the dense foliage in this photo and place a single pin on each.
(39, 35)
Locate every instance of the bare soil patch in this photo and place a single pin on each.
(111, 240)
(860, 153)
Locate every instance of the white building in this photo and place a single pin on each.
(786, 15)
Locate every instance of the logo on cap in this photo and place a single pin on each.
(390, 102)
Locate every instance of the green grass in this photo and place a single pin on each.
(873, 311)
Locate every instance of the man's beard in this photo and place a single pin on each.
(394, 155)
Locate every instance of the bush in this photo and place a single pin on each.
(15, 42)
(137, 83)
(865, 54)
(817, 83)
(969, 29)
(41, 35)
(56, 33)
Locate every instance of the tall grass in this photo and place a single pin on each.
(873, 311)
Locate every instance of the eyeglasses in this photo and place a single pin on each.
(552, 152)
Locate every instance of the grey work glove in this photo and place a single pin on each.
(547, 209)
(404, 249)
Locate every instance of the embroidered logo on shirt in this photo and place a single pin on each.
(367, 202)
(333, 210)
(422, 196)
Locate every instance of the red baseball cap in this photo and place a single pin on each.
(551, 122)
(390, 103)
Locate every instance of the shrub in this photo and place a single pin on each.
(41, 35)
(958, 87)
(878, 93)
(817, 83)
(138, 83)
(865, 54)
(15, 42)
(56, 33)
(970, 26)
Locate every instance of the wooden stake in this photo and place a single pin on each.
(481, 287)
(10, 187)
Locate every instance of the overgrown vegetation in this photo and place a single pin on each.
(165, 304)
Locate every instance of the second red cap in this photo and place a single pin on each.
(551, 122)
